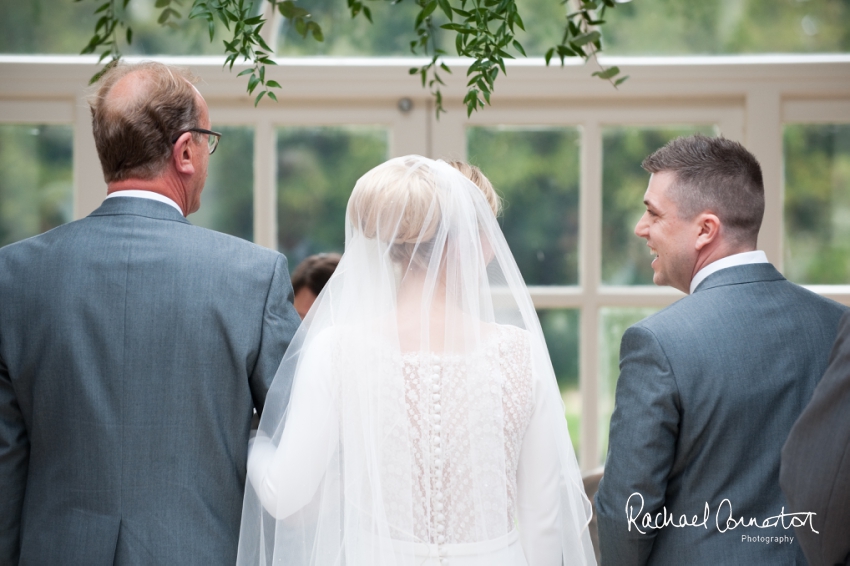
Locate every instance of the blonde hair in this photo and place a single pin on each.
(475, 175)
(395, 203)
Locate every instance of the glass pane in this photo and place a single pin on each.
(60, 26)
(561, 330)
(817, 204)
(316, 171)
(662, 27)
(625, 258)
(227, 203)
(674, 27)
(613, 322)
(536, 171)
(36, 179)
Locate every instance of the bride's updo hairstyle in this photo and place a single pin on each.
(400, 203)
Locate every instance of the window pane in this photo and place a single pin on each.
(36, 180)
(674, 27)
(625, 258)
(60, 26)
(536, 171)
(817, 204)
(316, 171)
(561, 330)
(613, 323)
(662, 27)
(227, 203)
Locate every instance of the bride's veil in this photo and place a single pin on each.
(396, 417)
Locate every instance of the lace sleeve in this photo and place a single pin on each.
(287, 476)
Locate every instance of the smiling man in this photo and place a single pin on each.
(710, 386)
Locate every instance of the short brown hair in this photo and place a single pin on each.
(715, 175)
(133, 134)
(314, 272)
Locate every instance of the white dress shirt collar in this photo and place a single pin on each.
(745, 258)
(148, 195)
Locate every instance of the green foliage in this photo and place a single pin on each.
(485, 30)
(35, 180)
(817, 203)
(561, 331)
(227, 202)
(536, 170)
(317, 169)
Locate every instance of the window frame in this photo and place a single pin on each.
(750, 99)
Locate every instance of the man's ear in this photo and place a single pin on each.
(709, 230)
(182, 154)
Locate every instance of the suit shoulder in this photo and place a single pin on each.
(225, 245)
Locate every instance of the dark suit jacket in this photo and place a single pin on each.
(815, 475)
(133, 347)
(708, 390)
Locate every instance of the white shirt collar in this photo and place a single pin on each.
(148, 195)
(745, 258)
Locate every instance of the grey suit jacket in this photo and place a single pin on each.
(708, 390)
(815, 474)
(133, 347)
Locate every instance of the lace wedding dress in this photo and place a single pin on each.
(424, 425)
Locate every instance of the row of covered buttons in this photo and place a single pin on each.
(437, 452)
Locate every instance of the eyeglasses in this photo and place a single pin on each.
(212, 137)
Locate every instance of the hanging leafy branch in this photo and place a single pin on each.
(485, 31)
(581, 39)
(246, 42)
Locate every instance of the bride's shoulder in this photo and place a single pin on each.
(510, 336)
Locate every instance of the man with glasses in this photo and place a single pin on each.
(133, 349)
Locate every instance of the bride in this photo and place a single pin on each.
(424, 425)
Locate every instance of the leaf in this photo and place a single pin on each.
(101, 9)
(273, 84)
(317, 31)
(259, 96)
(245, 72)
(197, 11)
(289, 10)
(586, 38)
(252, 83)
(446, 7)
(129, 35)
(254, 21)
(272, 96)
(519, 48)
(412, 71)
(607, 73)
(212, 30)
(366, 12)
(621, 80)
(162, 3)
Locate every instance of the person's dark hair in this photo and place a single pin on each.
(133, 134)
(714, 175)
(314, 272)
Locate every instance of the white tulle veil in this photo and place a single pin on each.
(426, 277)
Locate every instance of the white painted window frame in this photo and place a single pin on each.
(749, 98)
